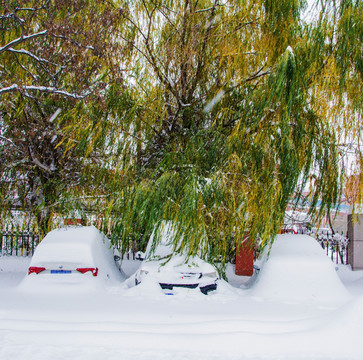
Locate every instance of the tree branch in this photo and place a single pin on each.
(22, 39)
(201, 63)
(24, 68)
(28, 53)
(24, 90)
(210, 8)
(153, 62)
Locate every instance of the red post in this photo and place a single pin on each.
(244, 259)
(70, 221)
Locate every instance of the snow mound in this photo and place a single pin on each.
(297, 270)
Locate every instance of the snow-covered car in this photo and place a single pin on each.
(74, 253)
(174, 270)
(296, 269)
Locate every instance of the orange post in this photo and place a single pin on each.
(72, 221)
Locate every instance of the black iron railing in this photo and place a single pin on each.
(18, 243)
(14, 243)
(337, 251)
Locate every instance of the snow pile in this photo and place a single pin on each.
(352, 280)
(297, 270)
(12, 270)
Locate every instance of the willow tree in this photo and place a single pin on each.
(341, 83)
(239, 108)
(57, 68)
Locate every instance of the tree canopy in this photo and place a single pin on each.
(229, 111)
(242, 105)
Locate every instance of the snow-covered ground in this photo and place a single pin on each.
(283, 313)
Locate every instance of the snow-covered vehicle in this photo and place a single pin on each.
(75, 254)
(296, 269)
(174, 270)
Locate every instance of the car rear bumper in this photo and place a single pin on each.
(205, 289)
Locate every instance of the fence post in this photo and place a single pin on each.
(16, 243)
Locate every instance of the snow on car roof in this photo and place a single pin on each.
(70, 244)
(79, 234)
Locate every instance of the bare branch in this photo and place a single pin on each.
(201, 62)
(257, 75)
(22, 39)
(136, 26)
(24, 90)
(25, 68)
(12, 143)
(210, 8)
(10, 16)
(28, 53)
(78, 44)
(153, 61)
(42, 166)
(8, 140)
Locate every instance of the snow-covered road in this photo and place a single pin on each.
(142, 323)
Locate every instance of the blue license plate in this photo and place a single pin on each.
(61, 271)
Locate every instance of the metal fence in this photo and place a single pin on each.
(18, 243)
(15, 243)
(24, 243)
(337, 251)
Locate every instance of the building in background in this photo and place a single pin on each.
(355, 247)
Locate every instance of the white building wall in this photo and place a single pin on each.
(355, 235)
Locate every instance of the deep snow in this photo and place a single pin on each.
(298, 271)
(237, 322)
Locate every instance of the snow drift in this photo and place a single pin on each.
(297, 270)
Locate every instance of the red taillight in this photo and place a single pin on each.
(35, 269)
(94, 271)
